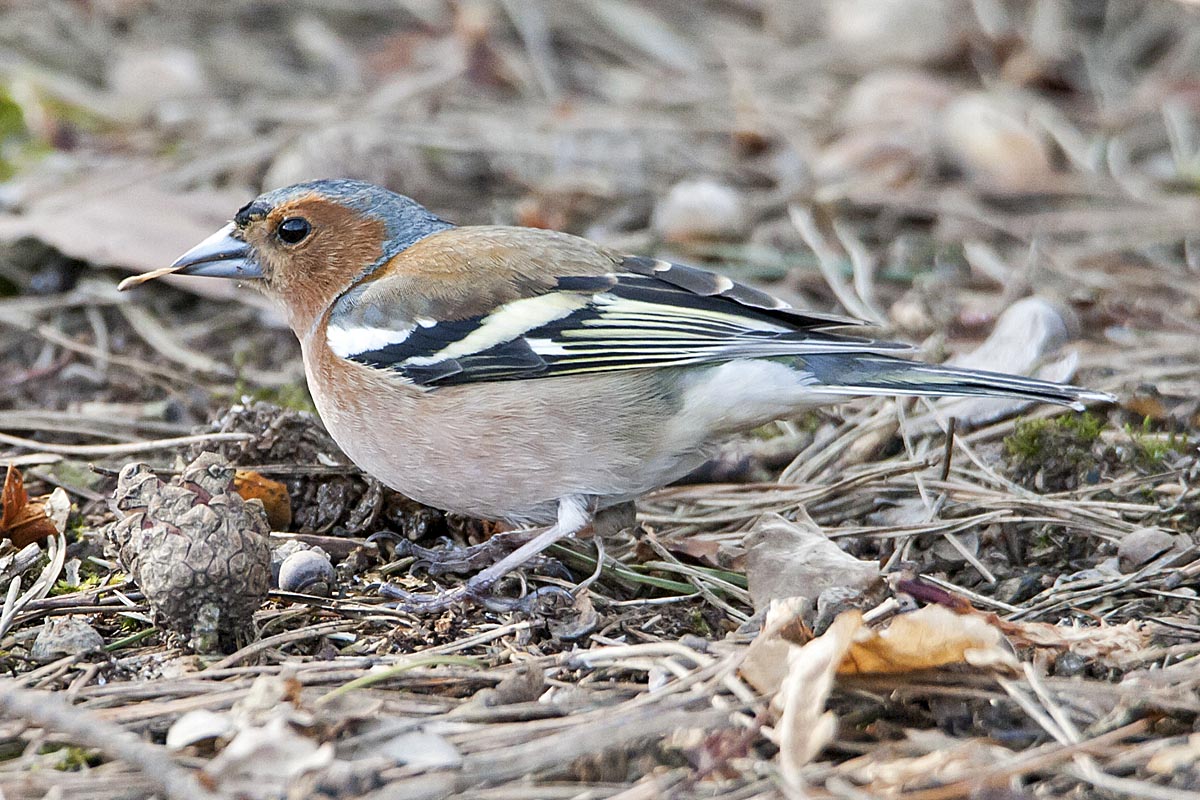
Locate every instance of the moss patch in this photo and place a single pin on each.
(1054, 454)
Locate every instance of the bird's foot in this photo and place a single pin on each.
(432, 602)
(573, 516)
(451, 558)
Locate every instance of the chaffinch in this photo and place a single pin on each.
(531, 376)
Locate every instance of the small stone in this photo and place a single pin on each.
(1070, 665)
(280, 553)
(700, 210)
(991, 139)
(1020, 587)
(65, 636)
(942, 550)
(1142, 546)
(308, 572)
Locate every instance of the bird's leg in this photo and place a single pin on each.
(573, 516)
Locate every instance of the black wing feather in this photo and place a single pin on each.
(655, 315)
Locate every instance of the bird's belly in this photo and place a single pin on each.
(500, 451)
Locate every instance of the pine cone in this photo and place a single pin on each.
(198, 551)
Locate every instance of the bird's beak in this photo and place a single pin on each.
(221, 255)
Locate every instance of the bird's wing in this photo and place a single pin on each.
(630, 313)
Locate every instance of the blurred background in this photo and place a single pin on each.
(868, 153)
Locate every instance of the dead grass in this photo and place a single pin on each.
(927, 177)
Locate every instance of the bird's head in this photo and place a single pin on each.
(308, 243)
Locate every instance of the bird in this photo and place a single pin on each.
(533, 377)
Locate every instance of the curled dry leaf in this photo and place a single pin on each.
(765, 664)
(933, 636)
(799, 677)
(261, 762)
(804, 726)
(795, 559)
(25, 521)
(199, 725)
(273, 495)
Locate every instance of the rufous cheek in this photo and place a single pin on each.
(343, 247)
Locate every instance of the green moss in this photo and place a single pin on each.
(1153, 451)
(1033, 438)
(72, 758)
(1053, 453)
(292, 396)
(65, 587)
(12, 133)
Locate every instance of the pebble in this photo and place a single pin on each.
(68, 636)
(1142, 546)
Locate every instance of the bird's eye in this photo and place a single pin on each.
(293, 230)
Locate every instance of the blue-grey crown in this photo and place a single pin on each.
(406, 220)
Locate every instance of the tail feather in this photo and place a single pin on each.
(884, 375)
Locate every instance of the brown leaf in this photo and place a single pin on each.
(102, 219)
(799, 680)
(703, 550)
(804, 726)
(765, 664)
(25, 521)
(932, 636)
(252, 485)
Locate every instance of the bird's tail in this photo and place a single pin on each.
(885, 375)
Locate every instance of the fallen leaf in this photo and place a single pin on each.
(795, 559)
(25, 521)
(804, 726)
(273, 495)
(260, 762)
(105, 219)
(932, 636)
(798, 672)
(1108, 644)
(703, 550)
(765, 664)
(198, 725)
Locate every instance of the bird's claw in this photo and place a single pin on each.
(539, 600)
(450, 558)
